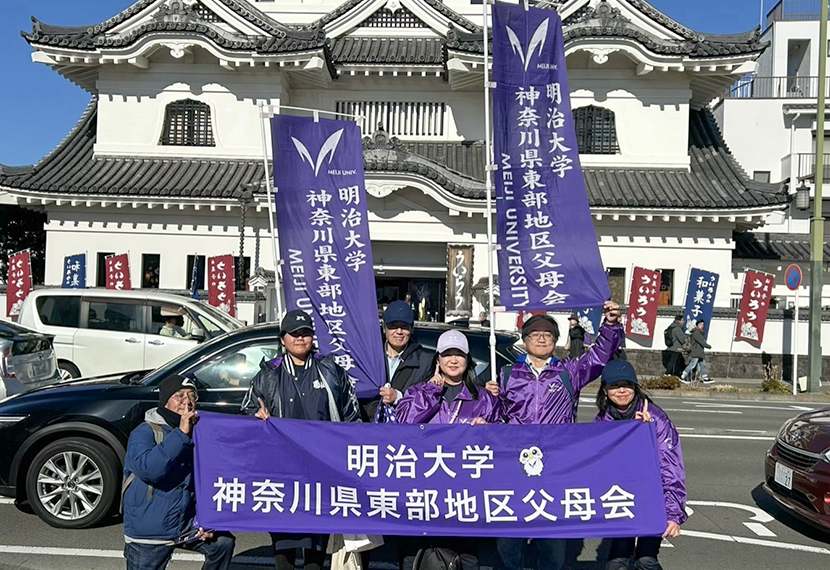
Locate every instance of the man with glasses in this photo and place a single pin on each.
(407, 363)
(301, 385)
(159, 499)
(539, 389)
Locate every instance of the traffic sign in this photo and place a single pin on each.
(793, 277)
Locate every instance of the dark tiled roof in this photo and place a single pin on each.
(360, 49)
(436, 5)
(604, 21)
(781, 247)
(715, 180)
(183, 18)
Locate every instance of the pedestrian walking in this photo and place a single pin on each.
(159, 500)
(576, 345)
(539, 389)
(301, 385)
(674, 338)
(697, 355)
(621, 398)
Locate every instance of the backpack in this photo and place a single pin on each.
(686, 349)
(158, 436)
(667, 337)
(435, 558)
(566, 381)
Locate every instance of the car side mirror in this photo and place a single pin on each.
(197, 334)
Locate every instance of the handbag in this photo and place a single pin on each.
(385, 414)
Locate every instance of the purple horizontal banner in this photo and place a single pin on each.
(597, 480)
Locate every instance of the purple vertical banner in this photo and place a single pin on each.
(549, 257)
(324, 240)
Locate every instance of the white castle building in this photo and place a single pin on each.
(166, 162)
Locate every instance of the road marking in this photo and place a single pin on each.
(758, 515)
(759, 529)
(748, 430)
(716, 405)
(682, 428)
(701, 411)
(6, 501)
(744, 437)
(755, 541)
(99, 553)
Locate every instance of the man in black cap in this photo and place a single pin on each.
(301, 385)
(407, 363)
(159, 500)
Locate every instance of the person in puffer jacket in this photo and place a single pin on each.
(159, 503)
(621, 398)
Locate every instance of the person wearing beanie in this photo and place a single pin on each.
(159, 501)
(301, 385)
(621, 398)
(407, 362)
(539, 389)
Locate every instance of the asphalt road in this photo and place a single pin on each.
(733, 525)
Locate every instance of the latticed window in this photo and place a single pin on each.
(187, 123)
(596, 130)
(385, 18)
(399, 118)
(205, 14)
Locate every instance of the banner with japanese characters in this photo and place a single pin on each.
(324, 240)
(459, 280)
(642, 303)
(590, 320)
(597, 480)
(752, 316)
(118, 272)
(74, 272)
(549, 257)
(19, 282)
(222, 283)
(700, 299)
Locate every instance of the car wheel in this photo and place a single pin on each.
(73, 482)
(68, 371)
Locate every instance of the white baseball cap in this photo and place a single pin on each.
(453, 339)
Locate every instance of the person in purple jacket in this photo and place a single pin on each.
(621, 398)
(539, 389)
(451, 395)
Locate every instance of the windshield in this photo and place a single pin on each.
(174, 364)
(218, 318)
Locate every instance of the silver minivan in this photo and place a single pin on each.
(27, 359)
(101, 331)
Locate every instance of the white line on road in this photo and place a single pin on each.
(701, 411)
(100, 553)
(758, 515)
(716, 405)
(683, 428)
(748, 430)
(759, 529)
(755, 541)
(744, 437)
(6, 501)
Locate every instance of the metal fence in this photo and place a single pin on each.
(780, 87)
(794, 10)
(807, 165)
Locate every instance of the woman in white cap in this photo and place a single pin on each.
(451, 395)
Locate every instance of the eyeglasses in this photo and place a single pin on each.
(185, 397)
(398, 327)
(302, 333)
(540, 335)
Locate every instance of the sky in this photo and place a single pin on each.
(38, 107)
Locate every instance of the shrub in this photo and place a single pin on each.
(772, 381)
(664, 382)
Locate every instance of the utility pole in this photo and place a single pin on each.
(817, 223)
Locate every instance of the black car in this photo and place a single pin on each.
(62, 447)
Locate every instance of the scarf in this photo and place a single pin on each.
(628, 414)
(170, 417)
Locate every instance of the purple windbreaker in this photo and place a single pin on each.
(671, 461)
(423, 404)
(526, 399)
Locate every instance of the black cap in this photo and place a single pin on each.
(398, 312)
(173, 384)
(296, 320)
(540, 323)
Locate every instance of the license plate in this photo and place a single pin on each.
(784, 476)
(40, 368)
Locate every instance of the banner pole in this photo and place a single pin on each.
(271, 213)
(795, 345)
(489, 186)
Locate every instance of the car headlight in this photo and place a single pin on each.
(6, 421)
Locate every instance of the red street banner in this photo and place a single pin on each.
(118, 272)
(222, 283)
(642, 303)
(19, 282)
(754, 306)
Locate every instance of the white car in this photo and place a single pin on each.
(100, 331)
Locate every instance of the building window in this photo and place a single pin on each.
(399, 118)
(616, 282)
(200, 275)
(246, 272)
(666, 288)
(596, 130)
(150, 269)
(400, 18)
(187, 123)
(101, 269)
(761, 176)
